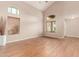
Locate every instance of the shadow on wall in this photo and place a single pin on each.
(2, 26)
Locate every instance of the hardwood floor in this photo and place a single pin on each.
(42, 46)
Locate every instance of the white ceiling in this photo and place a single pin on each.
(41, 5)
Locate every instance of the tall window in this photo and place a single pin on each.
(13, 10)
(51, 23)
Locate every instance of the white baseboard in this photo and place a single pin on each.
(72, 36)
(25, 38)
(54, 36)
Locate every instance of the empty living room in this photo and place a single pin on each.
(39, 28)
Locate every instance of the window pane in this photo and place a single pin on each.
(54, 26)
(49, 26)
(13, 10)
(9, 9)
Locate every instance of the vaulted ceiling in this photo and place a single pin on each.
(41, 5)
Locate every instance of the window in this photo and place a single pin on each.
(13, 10)
(51, 24)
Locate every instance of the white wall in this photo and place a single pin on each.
(30, 21)
(72, 19)
(67, 17)
(72, 27)
(55, 9)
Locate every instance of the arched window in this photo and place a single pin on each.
(51, 23)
